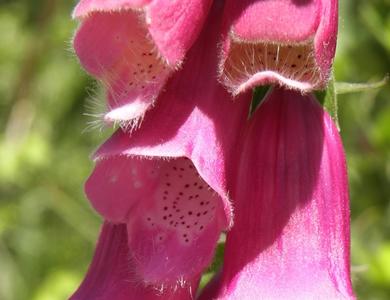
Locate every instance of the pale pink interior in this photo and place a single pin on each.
(253, 64)
(173, 217)
(116, 48)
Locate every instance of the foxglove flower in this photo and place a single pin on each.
(165, 191)
(133, 46)
(290, 239)
(289, 42)
(168, 182)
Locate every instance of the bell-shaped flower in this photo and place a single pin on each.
(168, 181)
(111, 273)
(290, 238)
(133, 46)
(289, 42)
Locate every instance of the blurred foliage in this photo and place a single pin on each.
(48, 230)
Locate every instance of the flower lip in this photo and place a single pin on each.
(270, 77)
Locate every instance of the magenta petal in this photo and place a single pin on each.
(291, 234)
(173, 217)
(111, 276)
(168, 181)
(288, 42)
(134, 46)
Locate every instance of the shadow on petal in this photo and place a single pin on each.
(291, 234)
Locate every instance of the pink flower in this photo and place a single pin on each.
(167, 190)
(290, 239)
(167, 182)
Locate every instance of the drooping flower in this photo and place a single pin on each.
(290, 239)
(133, 46)
(288, 42)
(167, 182)
(168, 186)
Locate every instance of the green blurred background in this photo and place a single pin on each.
(47, 229)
